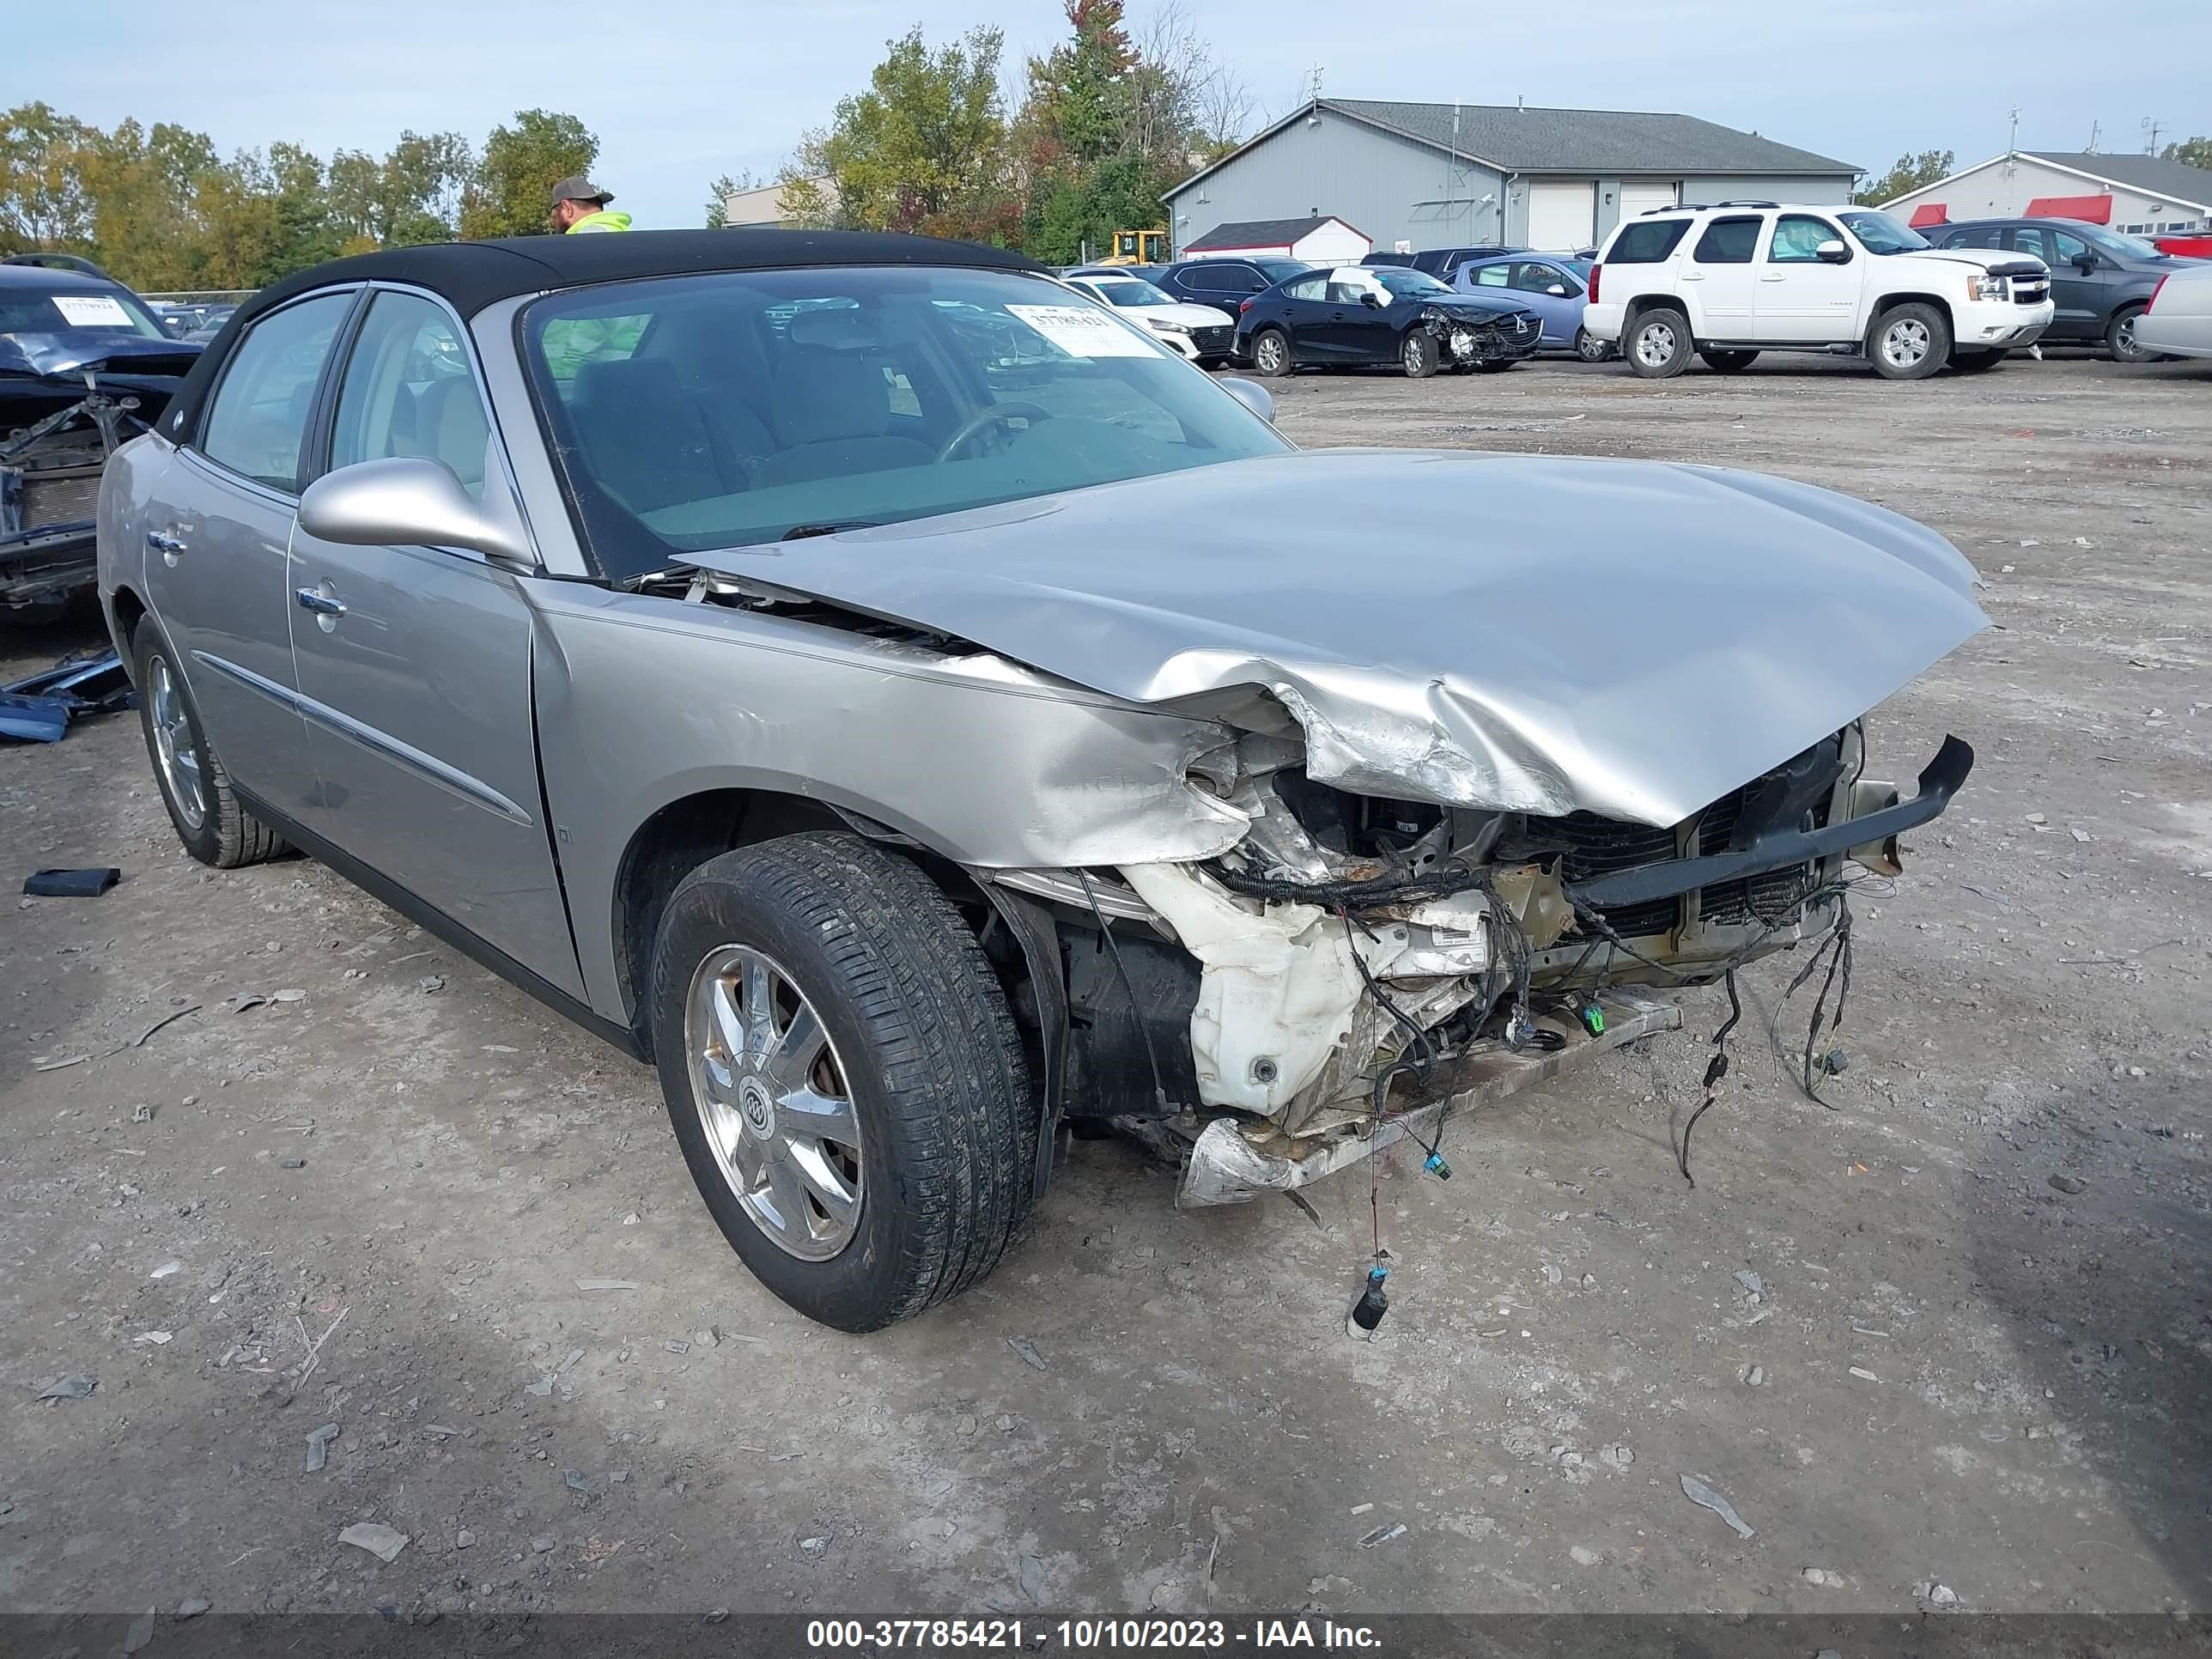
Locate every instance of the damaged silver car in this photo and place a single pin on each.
(915, 710)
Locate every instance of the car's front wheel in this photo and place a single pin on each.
(214, 827)
(1657, 344)
(2120, 336)
(845, 1078)
(1271, 352)
(1910, 342)
(1418, 354)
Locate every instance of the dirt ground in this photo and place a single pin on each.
(1922, 1373)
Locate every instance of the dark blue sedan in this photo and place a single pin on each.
(1358, 315)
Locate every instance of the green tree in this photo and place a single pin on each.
(508, 193)
(2191, 153)
(1911, 172)
(44, 204)
(923, 149)
(719, 193)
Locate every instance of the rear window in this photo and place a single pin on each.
(1645, 241)
(1728, 242)
(25, 310)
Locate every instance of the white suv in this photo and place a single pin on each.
(1730, 282)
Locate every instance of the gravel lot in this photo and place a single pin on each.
(1978, 1355)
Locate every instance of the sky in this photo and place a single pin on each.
(681, 91)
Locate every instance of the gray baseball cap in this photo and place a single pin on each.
(578, 188)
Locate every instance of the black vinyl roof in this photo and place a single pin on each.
(471, 276)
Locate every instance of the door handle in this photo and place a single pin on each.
(323, 604)
(1694, 275)
(162, 542)
(1778, 276)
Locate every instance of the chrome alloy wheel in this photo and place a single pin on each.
(1268, 356)
(174, 752)
(1905, 343)
(772, 1097)
(1655, 344)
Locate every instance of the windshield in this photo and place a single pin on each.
(2123, 247)
(38, 310)
(1128, 291)
(1880, 234)
(1410, 284)
(734, 408)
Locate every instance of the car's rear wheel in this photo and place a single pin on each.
(1657, 344)
(1910, 342)
(2120, 336)
(1724, 362)
(1589, 347)
(205, 811)
(846, 1080)
(1271, 352)
(1974, 362)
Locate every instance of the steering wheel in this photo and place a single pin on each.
(984, 420)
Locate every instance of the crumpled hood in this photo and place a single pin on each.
(65, 351)
(1525, 633)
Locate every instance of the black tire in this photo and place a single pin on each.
(222, 833)
(1418, 354)
(1590, 348)
(1657, 343)
(1722, 360)
(1909, 342)
(928, 1053)
(2120, 336)
(1495, 365)
(1975, 362)
(1271, 353)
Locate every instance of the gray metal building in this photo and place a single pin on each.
(1440, 175)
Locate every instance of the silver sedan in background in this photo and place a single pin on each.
(2179, 322)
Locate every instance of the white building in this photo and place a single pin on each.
(1317, 239)
(762, 209)
(2140, 195)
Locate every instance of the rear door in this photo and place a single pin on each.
(1220, 283)
(1720, 278)
(414, 663)
(2079, 300)
(1803, 300)
(218, 527)
(1304, 313)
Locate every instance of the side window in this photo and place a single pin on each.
(1532, 278)
(1646, 241)
(1797, 238)
(2071, 248)
(1728, 242)
(1989, 236)
(408, 389)
(1315, 286)
(1493, 276)
(1205, 279)
(2034, 239)
(258, 419)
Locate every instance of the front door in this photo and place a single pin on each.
(2077, 297)
(1720, 280)
(1803, 300)
(1351, 328)
(218, 528)
(415, 663)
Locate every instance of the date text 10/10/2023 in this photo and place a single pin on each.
(1086, 1635)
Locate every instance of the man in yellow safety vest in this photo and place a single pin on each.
(580, 205)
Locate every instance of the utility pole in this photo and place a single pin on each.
(2096, 131)
(2151, 129)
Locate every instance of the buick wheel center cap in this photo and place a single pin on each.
(759, 1111)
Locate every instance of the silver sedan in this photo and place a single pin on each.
(2179, 322)
(913, 708)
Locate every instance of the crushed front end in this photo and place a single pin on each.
(1356, 965)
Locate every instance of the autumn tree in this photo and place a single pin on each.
(510, 192)
(923, 149)
(1911, 172)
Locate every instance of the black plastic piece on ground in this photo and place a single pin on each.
(71, 884)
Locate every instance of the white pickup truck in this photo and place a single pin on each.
(1727, 283)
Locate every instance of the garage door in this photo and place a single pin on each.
(1642, 198)
(1561, 218)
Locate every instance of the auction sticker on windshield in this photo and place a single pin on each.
(1081, 332)
(92, 311)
